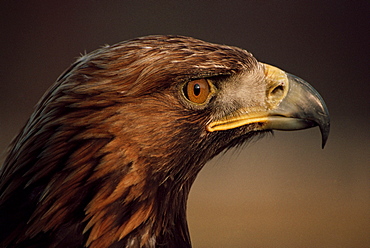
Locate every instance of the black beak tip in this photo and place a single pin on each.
(324, 128)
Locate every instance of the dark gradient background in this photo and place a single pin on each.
(282, 191)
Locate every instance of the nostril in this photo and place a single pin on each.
(278, 91)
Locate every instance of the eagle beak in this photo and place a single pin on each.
(291, 104)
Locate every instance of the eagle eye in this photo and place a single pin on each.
(197, 91)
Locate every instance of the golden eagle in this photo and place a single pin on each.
(108, 157)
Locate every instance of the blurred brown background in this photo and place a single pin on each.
(282, 191)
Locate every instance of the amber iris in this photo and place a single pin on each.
(197, 91)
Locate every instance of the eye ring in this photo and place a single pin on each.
(197, 91)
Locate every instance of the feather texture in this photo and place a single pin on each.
(109, 155)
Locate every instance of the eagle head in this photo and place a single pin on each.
(108, 157)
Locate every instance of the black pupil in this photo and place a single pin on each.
(196, 89)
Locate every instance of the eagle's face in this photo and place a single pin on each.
(110, 153)
(160, 98)
(170, 89)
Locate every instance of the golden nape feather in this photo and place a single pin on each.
(108, 157)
